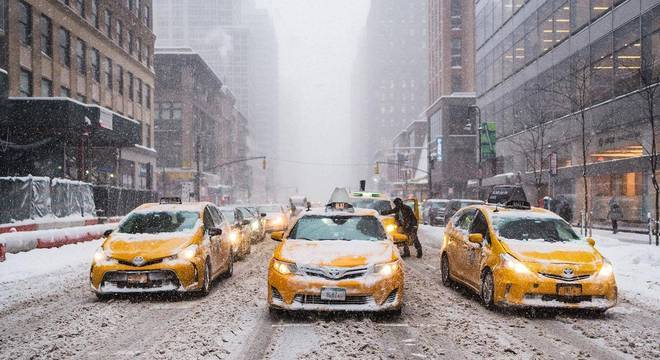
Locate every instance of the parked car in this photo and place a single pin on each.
(434, 211)
(456, 204)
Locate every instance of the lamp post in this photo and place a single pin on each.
(480, 175)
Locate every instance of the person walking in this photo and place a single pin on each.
(615, 214)
(408, 222)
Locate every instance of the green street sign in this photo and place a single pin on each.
(487, 138)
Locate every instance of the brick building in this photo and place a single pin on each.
(80, 85)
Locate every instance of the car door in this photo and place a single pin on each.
(212, 242)
(475, 253)
(461, 233)
(221, 244)
(454, 243)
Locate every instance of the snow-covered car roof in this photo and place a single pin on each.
(534, 212)
(153, 207)
(329, 212)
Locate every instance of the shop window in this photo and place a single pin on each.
(127, 170)
(627, 57)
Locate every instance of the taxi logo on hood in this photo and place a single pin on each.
(568, 273)
(138, 261)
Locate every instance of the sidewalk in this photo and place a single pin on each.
(629, 237)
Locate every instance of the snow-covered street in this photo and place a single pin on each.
(47, 311)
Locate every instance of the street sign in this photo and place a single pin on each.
(438, 150)
(488, 139)
(553, 163)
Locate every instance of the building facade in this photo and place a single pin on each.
(198, 130)
(390, 77)
(452, 128)
(87, 61)
(564, 81)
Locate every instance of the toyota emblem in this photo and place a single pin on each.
(568, 273)
(138, 261)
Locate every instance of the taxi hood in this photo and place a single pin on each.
(336, 253)
(539, 251)
(125, 247)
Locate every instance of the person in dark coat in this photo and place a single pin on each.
(408, 222)
(615, 214)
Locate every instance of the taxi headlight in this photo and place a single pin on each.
(100, 255)
(188, 253)
(285, 268)
(390, 228)
(387, 268)
(255, 225)
(278, 220)
(512, 263)
(606, 270)
(233, 237)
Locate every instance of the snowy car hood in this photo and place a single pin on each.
(149, 246)
(539, 251)
(336, 252)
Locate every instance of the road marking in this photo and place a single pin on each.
(394, 325)
(292, 325)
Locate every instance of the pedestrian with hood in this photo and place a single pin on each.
(408, 222)
(615, 214)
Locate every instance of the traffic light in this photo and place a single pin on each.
(263, 164)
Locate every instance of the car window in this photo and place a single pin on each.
(534, 229)
(229, 216)
(159, 222)
(373, 204)
(323, 228)
(479, 225)
(208, 219)
(465, 220)
(217, 217)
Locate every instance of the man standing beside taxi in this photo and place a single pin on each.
(408, 222)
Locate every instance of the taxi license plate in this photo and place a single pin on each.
(337, 294)
(137, 278)
(569, 290)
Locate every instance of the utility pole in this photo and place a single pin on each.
(429, 158)
(480, 175)
(198, 175)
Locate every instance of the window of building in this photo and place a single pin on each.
(65, 2)
(25, 23)
(579, 14)
(140, 98)
(81, 50)
(147, 56)
(130, 43)
(109, 81)
(120, 80)
(168, 111)
(80, 6)
(96, 65)
(456, 52)
(627, 57)
(131, 86)
(82, 98)
(65, 47)
(139, 49)
(148, 96)
(119, 30)
(456, 10)
(146, 16)
(46, 88)
(507, 9)
(3, 15)
(456, 81)
(651, 43)
(46, 35)
(107, 22)
(599, 7)
(546, 27)
(25, 86)
(95, 14)
(562, 20)
(148, 137)
(65, 92)
(602, 69)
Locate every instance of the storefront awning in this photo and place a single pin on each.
(30, 120)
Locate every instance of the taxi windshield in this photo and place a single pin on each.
(373, 204)
(159, 222)
(438, 205)
(366, 228)
(229, 215)
(534, 228)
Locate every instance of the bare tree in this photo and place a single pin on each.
(533, 122)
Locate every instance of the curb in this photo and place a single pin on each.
(48, 225)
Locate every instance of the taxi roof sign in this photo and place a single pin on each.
(366, 194)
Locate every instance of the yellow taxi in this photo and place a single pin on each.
(379, 202)
(515, 255)
(336, 259)
(165, 247)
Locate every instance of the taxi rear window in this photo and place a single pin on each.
(367, 228)
(159, 222)
(372, 204)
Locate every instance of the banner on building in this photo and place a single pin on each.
(488, 138)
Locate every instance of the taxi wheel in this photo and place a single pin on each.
(230, 267)
(487, 289)
(444, 270)
(206, 284)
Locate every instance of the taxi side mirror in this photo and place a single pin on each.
(245, 222)
(107, 233)
(277, 235)
(215, 231)
(399, 238)
(263, 215)
(476, 238)
(591, 241)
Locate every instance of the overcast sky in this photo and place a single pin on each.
(317, 46)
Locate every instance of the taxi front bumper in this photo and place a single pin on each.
(370, 293)
(535, 290)
(166, 276)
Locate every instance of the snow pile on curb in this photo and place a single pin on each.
(28, 240)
